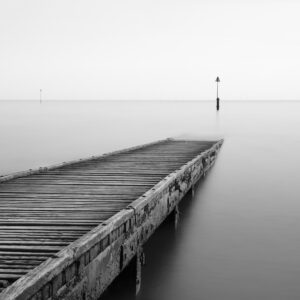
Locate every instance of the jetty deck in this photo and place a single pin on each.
(60, 224)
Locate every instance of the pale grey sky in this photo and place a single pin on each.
(159, 49)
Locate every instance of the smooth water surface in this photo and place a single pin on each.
(238, 238)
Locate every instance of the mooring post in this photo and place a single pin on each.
(140, 261)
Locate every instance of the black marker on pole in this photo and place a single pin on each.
(218, 100)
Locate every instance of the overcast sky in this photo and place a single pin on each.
(158, 49)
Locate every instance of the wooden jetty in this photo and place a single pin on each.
(68, 230)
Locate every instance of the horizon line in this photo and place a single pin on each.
(154, 100)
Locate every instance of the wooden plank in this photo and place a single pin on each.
(44, 210)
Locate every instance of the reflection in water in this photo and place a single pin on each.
(238, 238)
(218, 125)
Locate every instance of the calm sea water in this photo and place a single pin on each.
(238, 238)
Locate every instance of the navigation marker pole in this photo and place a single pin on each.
(40, 95)
(218, 100)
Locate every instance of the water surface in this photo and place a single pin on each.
(238, 238)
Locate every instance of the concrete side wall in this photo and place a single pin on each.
(85, 269)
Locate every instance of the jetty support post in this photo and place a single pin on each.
(193, 190)
(176, 216)
(139, 262)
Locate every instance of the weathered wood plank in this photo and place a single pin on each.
(43, 211)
